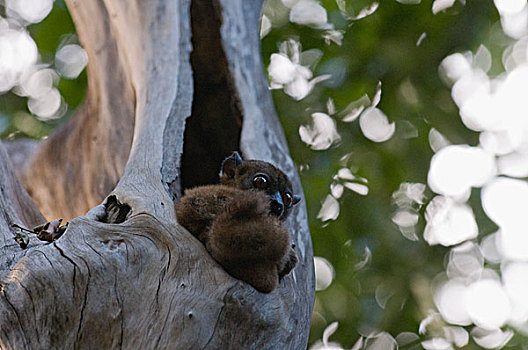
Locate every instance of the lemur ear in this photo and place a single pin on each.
(296, 199)
(229, 165)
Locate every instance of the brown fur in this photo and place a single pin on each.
(234, 222)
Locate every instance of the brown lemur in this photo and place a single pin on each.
(241, 221)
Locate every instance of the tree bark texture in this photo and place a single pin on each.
(173, 88)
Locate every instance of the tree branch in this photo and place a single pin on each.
(127, 274)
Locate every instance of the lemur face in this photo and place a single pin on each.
(260, 176)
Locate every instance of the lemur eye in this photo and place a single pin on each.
(260, 182)
(287, 199)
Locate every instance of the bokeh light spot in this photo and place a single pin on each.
(32, 11)
(322, 134)
(451, 299)
(309, 13)
(375, 125)
(505, 201)
(487, 304)
(449, 222)
(491, 339)
(456, 168)
(329, 209)
(324, 273)
(70, 61)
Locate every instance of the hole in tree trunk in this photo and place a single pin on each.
(212, 131)
(116, 212)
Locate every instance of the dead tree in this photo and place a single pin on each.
(173, 87)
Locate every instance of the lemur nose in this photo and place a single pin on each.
(276, 208)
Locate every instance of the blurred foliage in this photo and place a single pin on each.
(380, 47)
(15, 119)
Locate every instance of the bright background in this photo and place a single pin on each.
(408, 120)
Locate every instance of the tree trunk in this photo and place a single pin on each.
(173, 88)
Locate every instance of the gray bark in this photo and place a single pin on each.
(173, 87)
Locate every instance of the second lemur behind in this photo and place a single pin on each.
(240, 221)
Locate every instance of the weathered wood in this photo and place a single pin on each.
(262, 138)
(16, 208)
(81, 163)
(126, 274)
